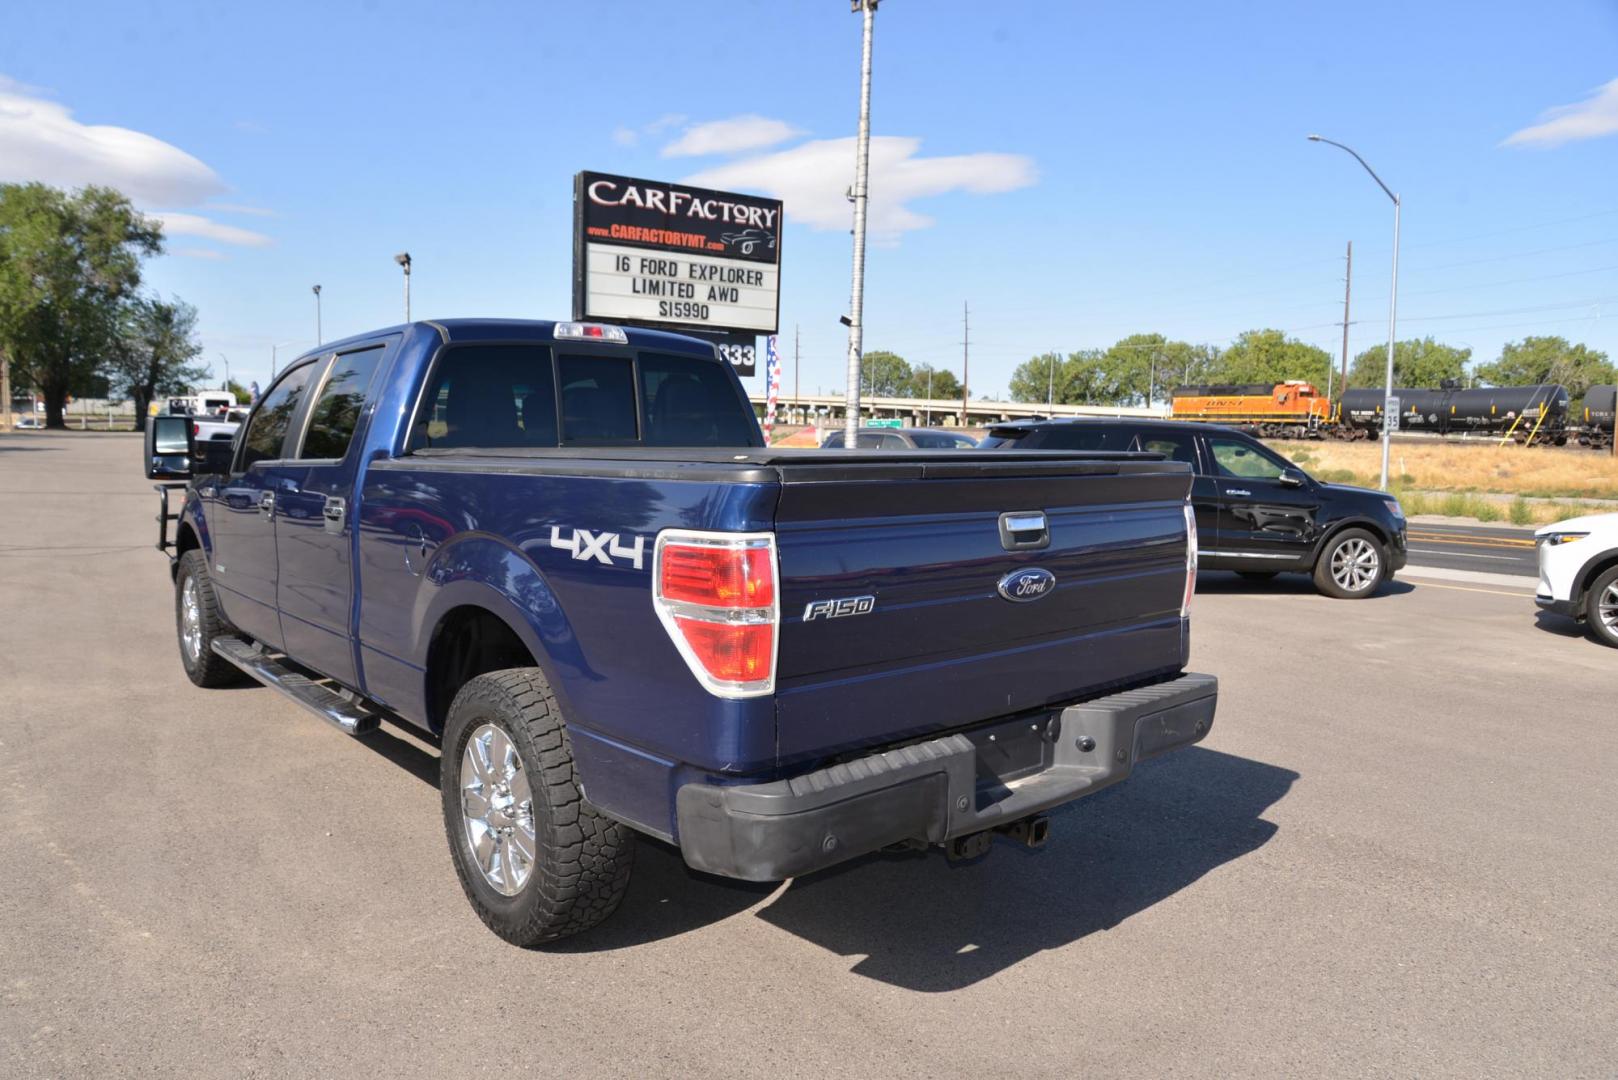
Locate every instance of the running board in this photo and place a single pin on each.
(339, 711)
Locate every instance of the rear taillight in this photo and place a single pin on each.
(1190, 560)
(717, 594)
(196, 429)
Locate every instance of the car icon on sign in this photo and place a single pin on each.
(749, 240)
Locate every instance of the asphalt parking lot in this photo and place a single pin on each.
(1393, 855)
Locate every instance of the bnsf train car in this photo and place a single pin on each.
(1272, 410)
(1527, 413)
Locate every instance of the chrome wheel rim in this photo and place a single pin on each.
(497, 807)
(191, 619)
(1354, 564)
(1607, 608)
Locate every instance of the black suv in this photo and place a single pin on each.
(1257, 513)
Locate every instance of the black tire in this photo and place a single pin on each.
(202, 665)
(1599, 628)
(1338, 549)
(582, 859)
(1257, 575)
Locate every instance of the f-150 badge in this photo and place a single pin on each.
(837, 609)
(601, 547)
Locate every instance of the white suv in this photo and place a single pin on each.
(1578, 572)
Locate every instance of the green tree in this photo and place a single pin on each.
(155, 351)
(1143, 367)
(242, 395)
(1269, 356)
(67, 264)
(886, 374)
(1079, 378)
(1549, 360)
(1419, 363)
(944, 383)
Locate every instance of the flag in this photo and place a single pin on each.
(772, 386)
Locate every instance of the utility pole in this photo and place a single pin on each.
(1348, 285)
(1050, 388)
(862, 166)
(966, 356)
(797, 367)
(319, 337)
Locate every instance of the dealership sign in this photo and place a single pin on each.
(672, 257)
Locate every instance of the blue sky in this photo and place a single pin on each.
(1077, 172)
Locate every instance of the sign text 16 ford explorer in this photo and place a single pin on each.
(564, 551)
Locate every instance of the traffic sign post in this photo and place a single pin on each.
(1390, 414)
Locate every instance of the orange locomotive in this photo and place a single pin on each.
(1292, 409)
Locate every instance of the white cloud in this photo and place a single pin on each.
(1591, 118)
(178, 224)
(625, 136)
(732, 136)
(40, 140)
(238, 208)
(812, 180)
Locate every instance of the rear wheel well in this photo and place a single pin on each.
(466, 643)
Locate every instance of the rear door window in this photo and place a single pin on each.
(488, 396)
(267, 432)
(598, 399)
(689, 401)
(1174, 445)
(337, 411)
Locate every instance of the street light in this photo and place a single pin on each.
(403, 259)
(859, 195)
(1393, 305)
(319, 337)
(226, 359)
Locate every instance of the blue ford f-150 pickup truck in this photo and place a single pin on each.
(564, 550)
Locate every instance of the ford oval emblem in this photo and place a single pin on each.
(1028, 584)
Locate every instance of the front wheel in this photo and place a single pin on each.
(1601, 608)
(1351, 566)
(537, 862)
(198, 622)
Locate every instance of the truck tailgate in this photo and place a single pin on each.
(938, 646)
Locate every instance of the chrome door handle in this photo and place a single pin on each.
(1237, 491)
(333, 512)
(266, 504)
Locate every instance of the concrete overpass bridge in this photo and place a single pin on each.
(827, 410)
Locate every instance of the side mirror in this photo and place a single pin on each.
(168, 448)
(1291, 478)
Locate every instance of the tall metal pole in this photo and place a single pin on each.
(319, 337)
(797, 367)
(862, 165)
(1348, 285)
(929, 421)
(1393, 316)
(1393, 304)
(403, 259)
(226, 359)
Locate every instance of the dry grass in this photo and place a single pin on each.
(1482, 468)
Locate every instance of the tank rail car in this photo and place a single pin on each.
(1528, 415)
